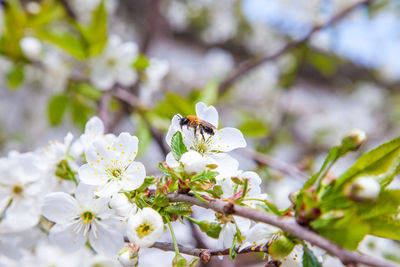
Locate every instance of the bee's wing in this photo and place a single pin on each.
(208, 124)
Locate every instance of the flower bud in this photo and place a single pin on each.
(120, 203)
(179, 261)
(128, 256)
(31, 47)
(363, 189)
(193, 162)
(280, 247)
(354, 139)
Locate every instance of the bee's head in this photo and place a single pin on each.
(184, 121)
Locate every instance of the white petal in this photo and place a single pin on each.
(102, 79)
(108, 189)
(65, 237)
(59, 207)
(126, 75)
(208, 114)
(94, 126)
(193, 162)
(170, 160)
(100, 152)
(134, 177)
(84, 193)
(21, 215)
(227, 166)
(173, 128)
(228, 139)
(104, 239)
(126, 147)
(92, 174)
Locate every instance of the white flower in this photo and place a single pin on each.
(128, 256)
(193, 162)
(120, 203)
(213, 146)
(154, 75)
(114, 65)
(364, 188)
(94, 130)
(145, 227)
(54, 157)
(31, 47)
(20, 192)
(112, 167)
(259, 234)
(229, 188)
(226, 236)
(294, 259)
(77, 219)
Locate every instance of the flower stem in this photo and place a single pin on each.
(172, 235)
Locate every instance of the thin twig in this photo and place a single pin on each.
(250, 65)
(287, 224)
(206, 254)
(103, 110)
(135, 103)
(280, 166)
(68, 9)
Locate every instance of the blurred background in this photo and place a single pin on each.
(294, 76)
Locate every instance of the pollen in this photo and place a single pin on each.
(98, 161)
(120, 144)
(130, 160)
(134, 152)
(102, 158)
(98, 153)
(108, 148)
(123, 152)
(91, 164)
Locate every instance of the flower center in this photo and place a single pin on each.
(202, 146)
(111, 62)
(17, 190)
(87, 216)
(144, 229)
(115, 173)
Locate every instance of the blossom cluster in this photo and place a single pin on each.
(84, 193)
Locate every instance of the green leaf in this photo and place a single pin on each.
(209, 94)
(65, 40)
(193, 261)
(346, 232)
(280, 247)
(96, 33)
(161, 200)
(204, 176)
(388, 202)
(217, 189)
(15, 76)
(147, 182)
(385, 226)
(141, 62)
(177, 146)
(56, 108)
(143, 134)
(309, 260)
(180, 208)
(212, 229)
(174, 104)
(253, 128)
(87, 90)
(80, 112)
(382, 162)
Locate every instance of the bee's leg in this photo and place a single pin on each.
(195, 131)
(202, 132)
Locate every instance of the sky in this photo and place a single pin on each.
(370, 41)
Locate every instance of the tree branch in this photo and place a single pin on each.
(206, 254)
(275, 164)
(287, 224)
(250, 65)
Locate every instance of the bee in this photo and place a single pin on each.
(192, 121)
